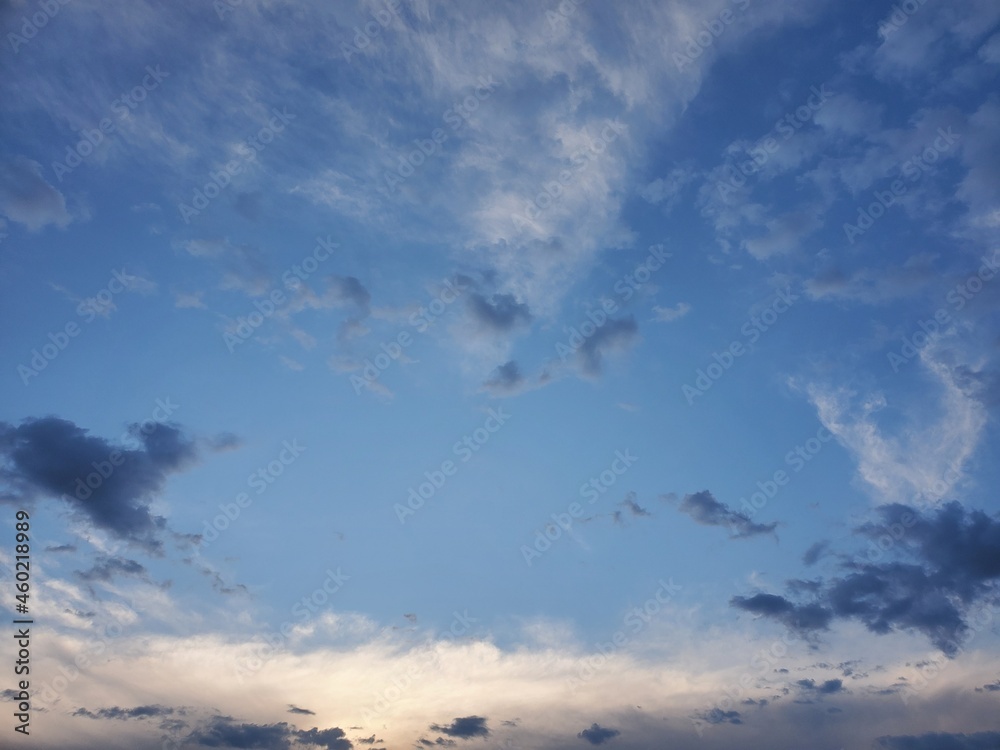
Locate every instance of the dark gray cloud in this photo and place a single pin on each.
(225, 732)
(505, 379)
(498, 313)
(934, 741)
(815, 552)
(598, 735)
(992, 687)
(122, 714)
(27, 198)
(106, 568)
(296, 710)
(330, 739)
(110, 485)
(615, 335)
(464, 728)
(61, 548)
(920, 572)
(718, 716)
(829, 687)
(634, 509)
(348, 290)
(706, 510)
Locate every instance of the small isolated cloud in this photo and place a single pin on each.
(505, 379)
(718, 716)
(706, 510)
(598, 735)
(296, 710)
(464, 728)
(670, 314)
(27, 198)
(497, 314)
(815, 552)
(634, 509)
(829, 687)
(122, 714)
(192, 300)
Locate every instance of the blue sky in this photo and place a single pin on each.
(517, 375)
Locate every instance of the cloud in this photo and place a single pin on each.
(670, 314)
(703, 508)
(139, 712)
(296, 710)
(815, 552)
(499, 313)
(505, 379)
(598, 735)
(955, 556)
(26, 197)
(941, 741)
(614, 335)
(464, 728)
(242, 266)
(633, 507)
(829, 687)
(718, 716)
(51, 457)
(348, 290)
(106, 568)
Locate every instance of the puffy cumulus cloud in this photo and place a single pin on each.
(464, 728)
(704, 509)
(111, 486)
(598, 735)
(27, 198)
(944, 562)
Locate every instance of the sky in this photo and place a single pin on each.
(500, 375)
